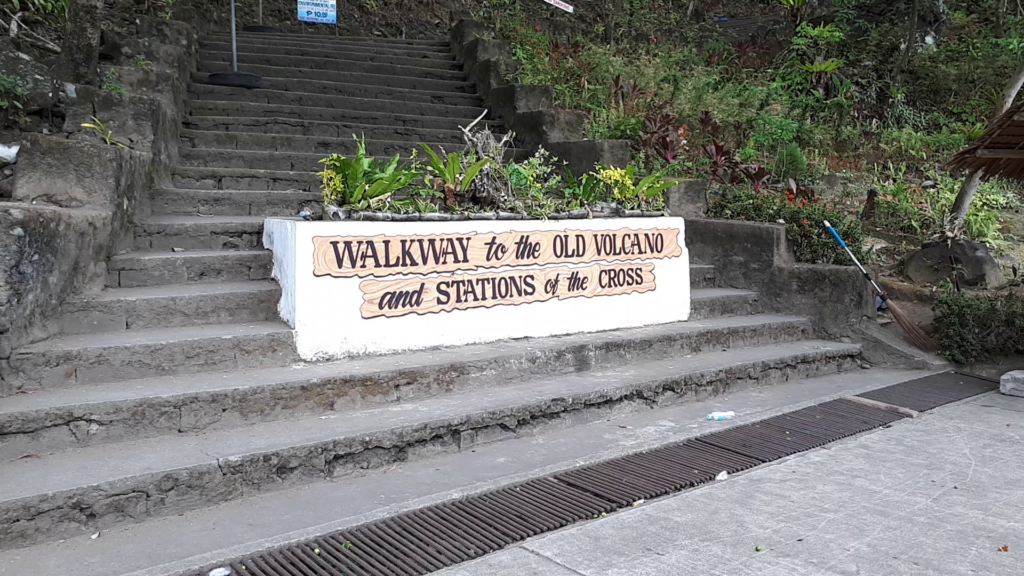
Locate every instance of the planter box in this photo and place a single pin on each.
(375, 287)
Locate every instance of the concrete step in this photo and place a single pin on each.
(205, 108)
(171, 306)
(305, 144)
(715, 302)
(272, 39)
(296, 127)
(244, 179)
(345, 89)
(230, 202)
(138, 269)
(348, 77)
(130, 354)
(264, 160)
(212, 60)
(433, 60)
(344, 47)
(82, 490)
(203, 402)
(371, 91)
(355, 104)
(191, 541)
(168, 232)
(702, 276)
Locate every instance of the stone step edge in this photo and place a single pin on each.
(174, 404)
(448, 477)
(324, 455)
(271, 71)
(186, 133)
(271, 119)
(404, 60)
(386, 116)
(438, 52)
(326, 38)
(476, 111)
(196, 79)
(211, 57)
(118, 262)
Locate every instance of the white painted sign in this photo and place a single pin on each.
(560, 4)
(353, 288)
(320, 11)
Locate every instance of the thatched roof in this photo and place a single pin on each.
(999, 151)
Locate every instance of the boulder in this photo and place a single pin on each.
(36, 78)
(1012, 383)
(968, 261)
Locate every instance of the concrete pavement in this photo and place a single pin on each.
(940, 494)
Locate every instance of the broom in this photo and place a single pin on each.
(916, 335)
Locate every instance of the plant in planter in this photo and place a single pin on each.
(648, 194)
(535, 184)
(584, 192)
(362, 183)
(452, 176)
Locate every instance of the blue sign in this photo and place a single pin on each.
(320, 11)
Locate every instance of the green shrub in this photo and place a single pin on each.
(974, 328)
(790, 163)
(772, 131)
(804, 224)
(909, 209)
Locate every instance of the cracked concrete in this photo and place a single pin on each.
(938, 494)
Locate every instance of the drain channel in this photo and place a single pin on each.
(435, 537)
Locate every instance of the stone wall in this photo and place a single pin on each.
(528, 110)
(757, 257)
(75, 196)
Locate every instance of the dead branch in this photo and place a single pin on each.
(17, 29)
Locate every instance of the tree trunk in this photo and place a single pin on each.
(81, 50)
(911, 43)
(970, 186)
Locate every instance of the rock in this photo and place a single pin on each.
(1012, 383)
(974, 265)
(35, 77)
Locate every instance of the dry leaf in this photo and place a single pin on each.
(1004, 548)
(94, 536)
(26, 457)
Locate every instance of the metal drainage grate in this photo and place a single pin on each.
(932, 391)
(435, 537)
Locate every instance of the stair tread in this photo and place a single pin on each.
(249, 120)
(179, 290)
(173, 219)
(330, 38)
(79, 467)
(702, 293)
(157, 255)
(204, 382)
(152, 336)
(193, 540)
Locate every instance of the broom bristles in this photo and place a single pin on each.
(917, 336)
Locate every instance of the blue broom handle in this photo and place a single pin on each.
(854, 258)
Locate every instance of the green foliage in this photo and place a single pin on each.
(910, 209)
(771, 131)
(451, 175)
(139, 61)
(648, 194)
(106, 134)
(790, 163)
(110, 82)
(362, 183)
(58, 8)
(585, 191)
(974, 328)
(803, 219)
(11, 94)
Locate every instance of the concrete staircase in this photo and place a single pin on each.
(177, 388)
